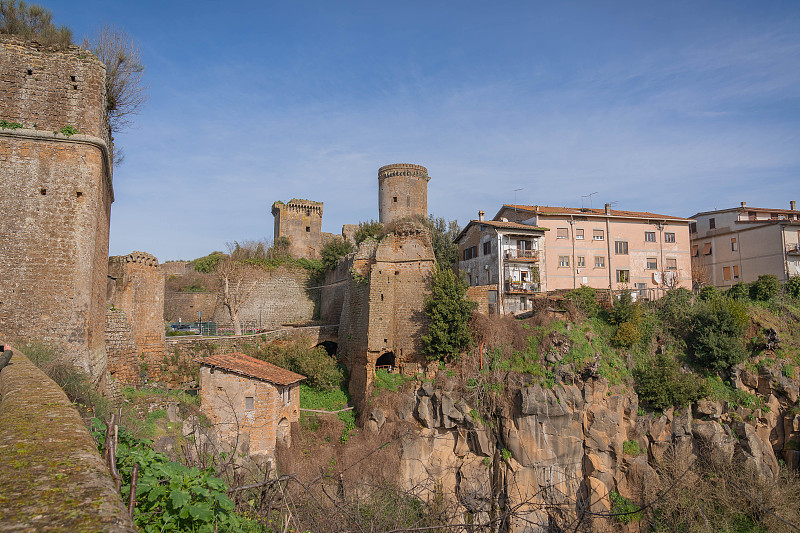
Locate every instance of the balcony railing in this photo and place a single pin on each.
(522, 255)
(793, 249)
(519, 287)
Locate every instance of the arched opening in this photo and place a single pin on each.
(385, 362)
(284, 433)
(330, 347)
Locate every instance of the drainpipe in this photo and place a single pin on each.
(661, 246)
(572, 238)
(501, 298)
(608, 240)
(785, 254)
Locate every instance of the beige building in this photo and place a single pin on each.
(608, 248)
(739, 244)
(251, 403)
(502, 258)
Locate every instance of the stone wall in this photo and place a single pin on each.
(383, 308)
(301, 222)
(55, 201)
(184, 306)
(123, 357)
(51, 476)
(480, 295)
(136, 286)
(334, 290)
(402, 192)
(175, 268)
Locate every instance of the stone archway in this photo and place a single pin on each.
(386, 362)
(284, 433)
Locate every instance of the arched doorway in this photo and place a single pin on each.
(284, 433)
(386, 362)
(330, 347)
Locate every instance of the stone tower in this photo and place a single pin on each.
(301, 222)
(402, 192)
(55, 200)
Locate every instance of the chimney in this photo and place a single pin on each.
(608, 209)
(481, 214)
(793, 205)
(744, 204)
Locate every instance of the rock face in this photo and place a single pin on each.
(557, 451)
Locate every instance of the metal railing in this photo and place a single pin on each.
(520, 286)
(528, 255)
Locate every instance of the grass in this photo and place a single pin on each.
(631, 447)
(388, 381)
(334, 400)
(723, 392)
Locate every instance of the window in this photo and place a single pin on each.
(693, 227)
(707, 248)
(672, 264)
(394, 199)
(581, 261)
(752, 215)
(470, 252)
(712, 223)
(599, 261)
(734, 244)
(669, 237)
(286, 395)
(597, 235)
(621, 247)
(726, 273)
(652, 263)
(735, 271)
(562, 233)
(695, 251)
(623, 276)
(308, 229)
(487, 247)
(249, 403)
(563, 260)
(579, 234)
(649, 236)
(773, 216)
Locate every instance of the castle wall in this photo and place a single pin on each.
(123, 358)
(334, 290)
(184, 306)
(301, 222)
(402, 192)
(136, 286)
(55, 201)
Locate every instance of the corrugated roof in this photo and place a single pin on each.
(252, 367)
(586, 211)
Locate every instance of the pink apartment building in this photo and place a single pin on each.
(608, 248)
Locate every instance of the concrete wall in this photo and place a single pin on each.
(222, 399)
(55, 201)
(136, 286)
(51, 476)
(301, 222)
(402, 192)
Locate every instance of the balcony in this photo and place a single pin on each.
(524, 256)
(793, 249)
(521, 287)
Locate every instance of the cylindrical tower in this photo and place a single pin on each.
(402, 192)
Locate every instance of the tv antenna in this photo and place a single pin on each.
(515, 198)
(590, 199)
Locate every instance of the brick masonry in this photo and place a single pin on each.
(136, 286)
(55, 201)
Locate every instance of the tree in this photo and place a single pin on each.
(334, 250)
(449, 311)
(32, 23)
(701, 273)
(126, 91)
(443, 235)
(235, 283)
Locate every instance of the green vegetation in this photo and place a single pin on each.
(585, 299)
(333, 400)
(369, 230)
(388, 381)
(724, 392)
(207, 264)
(765, 288)
(32, 22)
(624, 510)
(6, 125)
(322, 372)
(334, 250)
(631, 447)
(449, 311)
(792, 287)
(661, 384)
(443, 234)
(69, 131)
(717, 330)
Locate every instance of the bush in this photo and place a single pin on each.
(661, 384)
(631, 447)
(624, 510)
(792, 287)
(740, 291)
(625, 309)
(208, 263)
(585, 299)
(765, 288)
(709, 293)
(320, 369)
(715, 340)
(675, 308)
(334, 250)
(369, 230)
(627, 335)
(32, 22)
(450, 312)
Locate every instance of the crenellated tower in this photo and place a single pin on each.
(402, 192)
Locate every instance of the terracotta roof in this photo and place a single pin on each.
(549, 210)
(500, 224)
(252, 367)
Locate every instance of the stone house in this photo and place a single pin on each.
(251, 403)
(609, 248)
(502, 259)
(741, 243)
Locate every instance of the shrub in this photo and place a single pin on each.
(792, 287)
(450, 312)
(334, 250)
(740, 291)
(709, 293)
(208, 263)
(661, 384)
(765, 288)
(674, 309)
(631, 447)
(585, 299)
(627, 335)
(366, 230)
(320, 369)
(715, 340)
(625, 309)
(624, 510)
(32, 22)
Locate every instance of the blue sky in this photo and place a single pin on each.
(671, 107)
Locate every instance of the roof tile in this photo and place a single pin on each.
(550, 210)
(252, 367)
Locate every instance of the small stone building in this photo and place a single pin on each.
(251, 403)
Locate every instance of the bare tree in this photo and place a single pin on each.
(701, 273)
(125, 87)
(235, 285)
